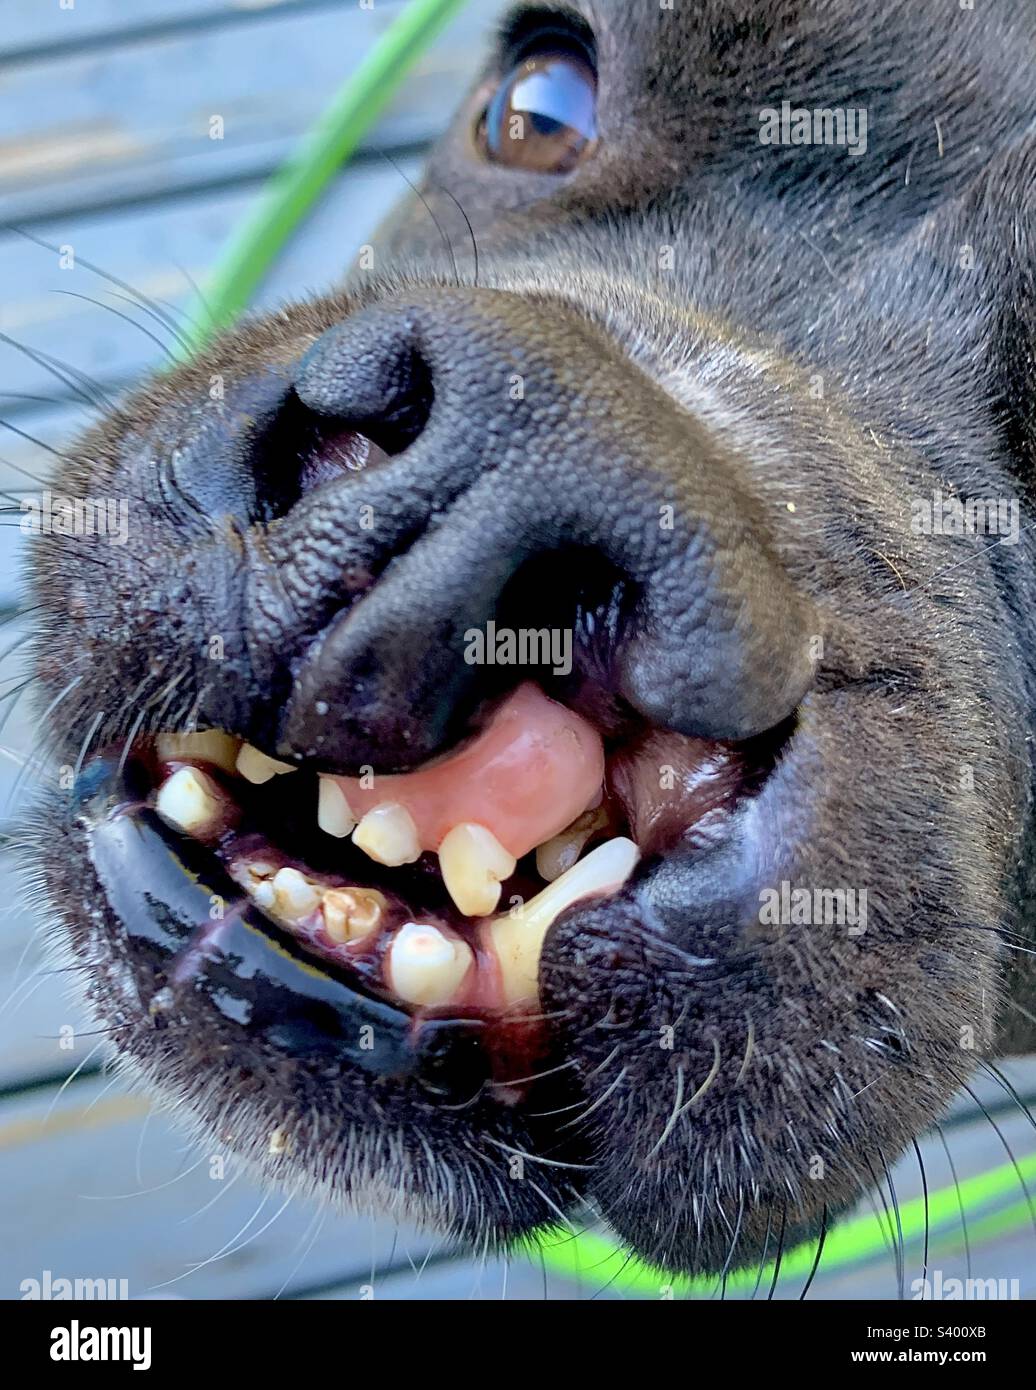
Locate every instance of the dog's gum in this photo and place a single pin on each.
(535, 767)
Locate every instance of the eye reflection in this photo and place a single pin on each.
(543, 116)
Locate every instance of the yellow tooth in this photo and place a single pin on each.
(280, 1141)
(351, 913)
(388, 835)
(425, 967)
(190, 801)
(294, 897)
(334, 814)
(209, 746)
(473, 863)
(263, 894)
(556, 856)
(253, 872)
(517, 939)
(257, 768)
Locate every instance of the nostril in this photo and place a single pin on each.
(369, 371)
(269, 442)
(300, 451)
(341, 422)
(336, 452)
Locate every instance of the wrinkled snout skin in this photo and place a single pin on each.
(722, 375)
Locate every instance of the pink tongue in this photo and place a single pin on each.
(533, 769)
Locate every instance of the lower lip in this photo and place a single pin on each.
(197, 937)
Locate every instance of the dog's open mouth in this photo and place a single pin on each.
(427, 893)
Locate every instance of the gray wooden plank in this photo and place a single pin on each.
(66, 1205)
(45, 1029)
(136, 119)
(35, 29)
(518, 1280)
(161, 250)
(974, 1148)
(92, 1185)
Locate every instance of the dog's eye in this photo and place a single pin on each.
(543, 116)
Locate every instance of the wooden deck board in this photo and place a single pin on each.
(162, 251)
(134, 120)
(131, 1201)
(33, 30)
(96, 1185)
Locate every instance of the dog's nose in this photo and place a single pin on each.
(523, 435)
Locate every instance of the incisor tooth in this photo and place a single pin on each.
(294, 897)
(473, 863)
(425, 967)
(517, 938)
(388, 835)
(334, 814)
(556, 856)
(257, 768)
(351, 913)
(209, 746)
(190, 801)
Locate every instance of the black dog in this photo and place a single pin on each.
(731, 383)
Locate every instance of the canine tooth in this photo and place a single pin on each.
(209, 746)
(294, 897)
(425, 967)
(189, 800)
(517, 938)
(388, 835)
(257, 768)
(557, 855)
(351, 913)
(334, 814)
(473, 863)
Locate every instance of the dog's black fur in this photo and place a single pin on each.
(836, 336)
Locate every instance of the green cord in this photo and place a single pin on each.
(241, 268)
(295, 188)
(590, 1256)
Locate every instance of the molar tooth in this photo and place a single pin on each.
(255, 871)
(263, 894)
(334, 814)
(517, 938)
(209, 746)
(425, 967)
(388, 835)
(294, 897)
(190, 801)
(257, 767)
(557, 855)
(351, 913)
(473, 863)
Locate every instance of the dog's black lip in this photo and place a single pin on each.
(161, 889)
